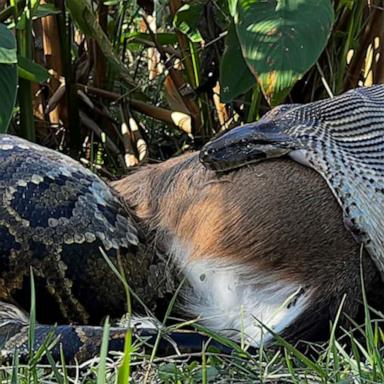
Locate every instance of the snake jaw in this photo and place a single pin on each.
(244, 145)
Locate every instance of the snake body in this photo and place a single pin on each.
(66, 225)
(54, 217)
(341, 138)
(61, 221)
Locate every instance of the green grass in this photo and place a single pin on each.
(346, 358)
(349, 356)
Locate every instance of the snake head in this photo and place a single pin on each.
(249, 143)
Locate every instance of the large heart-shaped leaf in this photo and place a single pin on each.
(8, 76)
(282, 39)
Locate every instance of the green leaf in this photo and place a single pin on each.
(346, 3)
(7, 46)
(235, 77)
(163, 38)
(82, 14)
(38, 11)
(111, 3)
(232, 4)
(187, 19)
(44, 10)
(31, 71)
(282, 39)
(8, 76)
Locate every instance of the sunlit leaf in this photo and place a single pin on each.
(232, 4)
(282, 39)
(187, 19)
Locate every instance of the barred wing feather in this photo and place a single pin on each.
(343, 140)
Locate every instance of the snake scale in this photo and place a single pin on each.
(62, 222)
(55, 216)
(342, 138)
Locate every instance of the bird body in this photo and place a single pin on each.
(341, 138)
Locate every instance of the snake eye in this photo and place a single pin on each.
(206, 154)
(209, 151)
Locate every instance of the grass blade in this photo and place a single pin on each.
(102, 369)
(32, 318)
(125, 369)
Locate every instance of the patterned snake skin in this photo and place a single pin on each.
(79, 343)
(55, 215)
(341, 138)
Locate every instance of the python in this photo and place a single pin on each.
(265, 245)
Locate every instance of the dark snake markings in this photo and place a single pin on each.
(341, 138)
(49, 203)
(55, 215)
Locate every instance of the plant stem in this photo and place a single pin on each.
(24, 44)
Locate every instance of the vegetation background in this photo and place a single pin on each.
(116, 83)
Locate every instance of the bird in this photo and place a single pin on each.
(342, 138)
